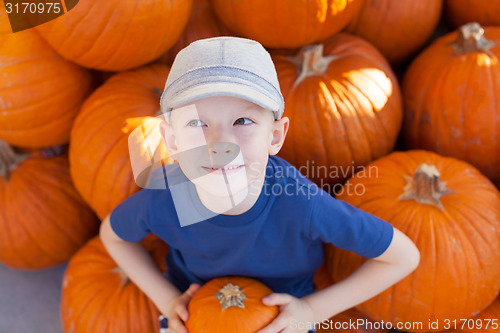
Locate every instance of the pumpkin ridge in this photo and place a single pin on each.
(101, 165)
(359, 111)
(29, 234)
(122, 38)
(46, 214)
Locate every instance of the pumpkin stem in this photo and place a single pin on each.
(311, 61)
(425, 186)
(230, 295)
(471, 39)
(9, 159)
(123, 276)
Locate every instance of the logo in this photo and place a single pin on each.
(25, 14)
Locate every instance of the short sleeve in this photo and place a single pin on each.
(347, 227)
(129, 219)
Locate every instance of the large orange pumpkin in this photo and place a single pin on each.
(230, 304)
(452, 213)
(40, 92)
(97, 296)
(351, 321)
(451, 98)
(286, 23)
(99, 151)
(484, 12)
(344, 105)
(117, 35)
(203, 23)
(397, 29)
(43, 220)
(487, 321)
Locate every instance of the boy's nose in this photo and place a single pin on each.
(223, 148)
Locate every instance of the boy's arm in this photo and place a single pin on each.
(370, 279)
(138, 265)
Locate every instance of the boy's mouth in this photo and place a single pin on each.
(223, 168)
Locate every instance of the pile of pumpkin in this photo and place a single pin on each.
(426, 153)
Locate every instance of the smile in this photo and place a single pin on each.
(225, 168)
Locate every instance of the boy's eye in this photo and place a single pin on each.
(195, 123)
(243, 121)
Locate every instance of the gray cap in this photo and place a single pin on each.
(223, 66)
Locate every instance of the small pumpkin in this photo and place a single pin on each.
(286, 23)
(43, 219)
(40, 92)
(230, 304)
(116, 35)
(99, 152)
(397, 29)
(451, 101)
(460, 12)
(98, 297)
(344, 105)
(452, 214)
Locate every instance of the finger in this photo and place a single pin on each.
(277, 325)
(182, 312)
(277, 299)
(175, 325)
(192, 289)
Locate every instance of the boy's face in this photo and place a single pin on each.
(222, 143)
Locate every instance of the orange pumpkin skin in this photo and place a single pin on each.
(340, 324)
(397, 29)
(460, 12)
(484, 322)
(206, 314)
(286, 23)
(43, 219)
(117, 35)
(203, 23)
(459, 244)
(99, 153)
(40, 92)
(97, 297)
(344, 106)
(451, 99)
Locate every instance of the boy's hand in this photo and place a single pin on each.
(177, 312)
(292, 310)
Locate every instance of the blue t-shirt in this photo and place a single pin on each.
(278, 241)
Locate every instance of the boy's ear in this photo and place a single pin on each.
(168, 136)
(277, 137)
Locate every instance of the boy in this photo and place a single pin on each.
(232, 207)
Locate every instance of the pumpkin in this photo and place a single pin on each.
(450, 96)
(344, 105)
(460, 12)
(487, 321)
(117, 35)
(40, 93)
(99, 152)
(397, 29)
(230, 304)
(203, 23)
(286, 23)
(452, 214)
(98, 297)
(351, 321)
(43, 219)
(322, 278)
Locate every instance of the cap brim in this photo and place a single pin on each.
(211, 89)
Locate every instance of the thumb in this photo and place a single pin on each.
(192, 289)
(277, 299)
